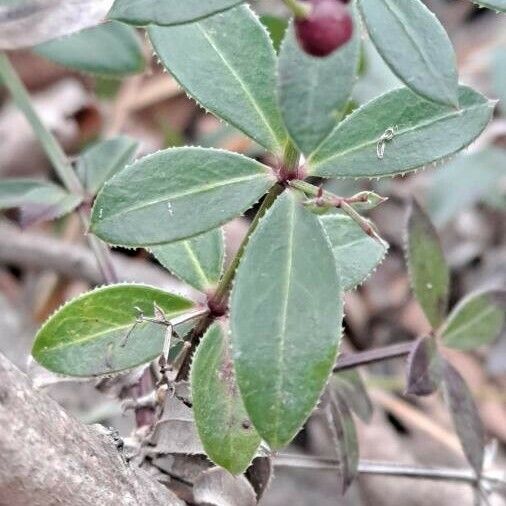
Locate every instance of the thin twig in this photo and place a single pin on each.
(353, 360)
(393, 469)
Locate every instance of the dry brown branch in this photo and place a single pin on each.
(35, 250)
(48, 457)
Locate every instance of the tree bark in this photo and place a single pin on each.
(49, 458)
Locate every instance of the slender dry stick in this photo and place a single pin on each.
(56, 155)
(393, 469)
(353, 360)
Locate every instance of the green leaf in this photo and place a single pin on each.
(97, 333)
(235, 81)
(357, 255)
(314, 92)
(37, 200)
(351, 387)
(424, 367)
(103, 160)
(286, 313)
(496, 5)
(276, 27)
(166, 12)
(466, 418)
(345, 439)
(428, 270)
(476, 321)
(197, 261)
(229, 439)
(424, 132)
(472, 178)
(176, 194)
(415, 46)
(111, 49)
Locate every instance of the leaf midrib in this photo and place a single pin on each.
(250, 97)
(411, 36)
(372, 142)
(284, 313)
(87, 338)
(186, 193)
(459, 330)
(197, 265)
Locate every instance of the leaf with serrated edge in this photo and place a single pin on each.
(228, 436)
(356, 254)
(415, 46)
(423, 132)
(95, 334)
(314, 92)
(465, 416)
(476, 321)
(168, 12)
(286, 313)
(235, 81)
(428, 270)
(101, 161)
(351, 387)
(344, 436)
(424, 367)
(37, 200)
(496, 5)
(112, 49)
(197, 261)
(177, 194)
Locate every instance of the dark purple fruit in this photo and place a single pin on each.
(327, 27)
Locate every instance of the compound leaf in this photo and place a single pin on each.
(197, 261)
(235, 81)
(424, 367)
(314, 92)
(415, 46)
(166, 12)
(350, 386)
(344, 436)
(476, 321)
(112, 49)
(227, 435)
(101, 161)
(466, 419)
(286, 313)
(356, 254)
(177, 194)
(97, 333)
(419, 132)
(37, 200)
(428, 270)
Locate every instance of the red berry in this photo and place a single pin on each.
(328, 26)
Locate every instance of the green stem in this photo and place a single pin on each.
(328, 199)
(226, 281)
(299, 9)
(291, 158)
(59, 160)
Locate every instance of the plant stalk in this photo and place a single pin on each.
(392, 469)
(353, 360)
(226, 281)
(56, 155)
